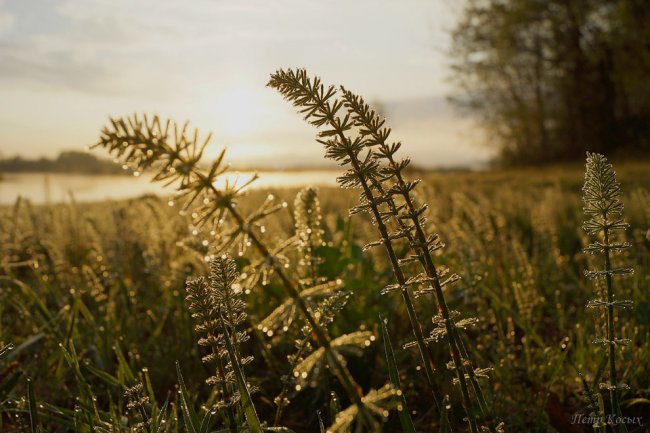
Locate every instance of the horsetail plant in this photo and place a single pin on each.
(307, 364)
(364, 153)
(219, 311)
(376, 136)
(308, 218)
(174, 154)
(594, 405)
(314, 102)
(307, 221)
(603, 209)
(136, 403)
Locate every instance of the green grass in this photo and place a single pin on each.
(93, 300)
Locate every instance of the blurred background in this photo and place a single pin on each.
(464, 84)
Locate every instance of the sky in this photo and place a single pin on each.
(67, 65)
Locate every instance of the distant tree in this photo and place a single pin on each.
(67, 162)
(550, 79)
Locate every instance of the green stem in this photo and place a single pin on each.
(252, 420)
(431, 271)
(457, 348)
(221, 374)
(399, 275)
(482, 402)
(613, 391)
(353, 390)
(285, 388)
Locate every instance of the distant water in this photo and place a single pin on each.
(57, 187)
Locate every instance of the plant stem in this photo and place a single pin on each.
(457, 348)
(399, 275)
(221, 374)
(613, 390)
(252, 420)
(353, 390)
(285, 388)
(420, 243)
(432, 273)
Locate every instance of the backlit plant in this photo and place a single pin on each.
(605, 224)
(355, 136)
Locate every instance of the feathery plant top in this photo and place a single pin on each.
(604, 211)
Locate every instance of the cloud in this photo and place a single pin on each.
(46, 51)
(128, 48)
(60, 69)
(6, 21)
(417, 109)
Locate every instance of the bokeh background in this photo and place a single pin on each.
(66, 65)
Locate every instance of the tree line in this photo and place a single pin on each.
(551, 79)
(67, 162)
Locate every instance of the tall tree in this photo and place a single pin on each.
(550, 79)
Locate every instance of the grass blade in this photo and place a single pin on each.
(33, 412)
(403, 412)
(192, 421)
(252, 420)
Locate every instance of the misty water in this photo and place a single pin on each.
(41, 188)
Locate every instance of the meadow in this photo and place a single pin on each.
(114, 314)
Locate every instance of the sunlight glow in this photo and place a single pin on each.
(237, 110)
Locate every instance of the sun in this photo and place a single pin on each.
(237, 110)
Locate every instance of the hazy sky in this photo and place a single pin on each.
(66, 65)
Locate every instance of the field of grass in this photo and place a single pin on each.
(93, 300)
(460, 302)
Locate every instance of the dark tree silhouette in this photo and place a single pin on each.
(552, 79)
